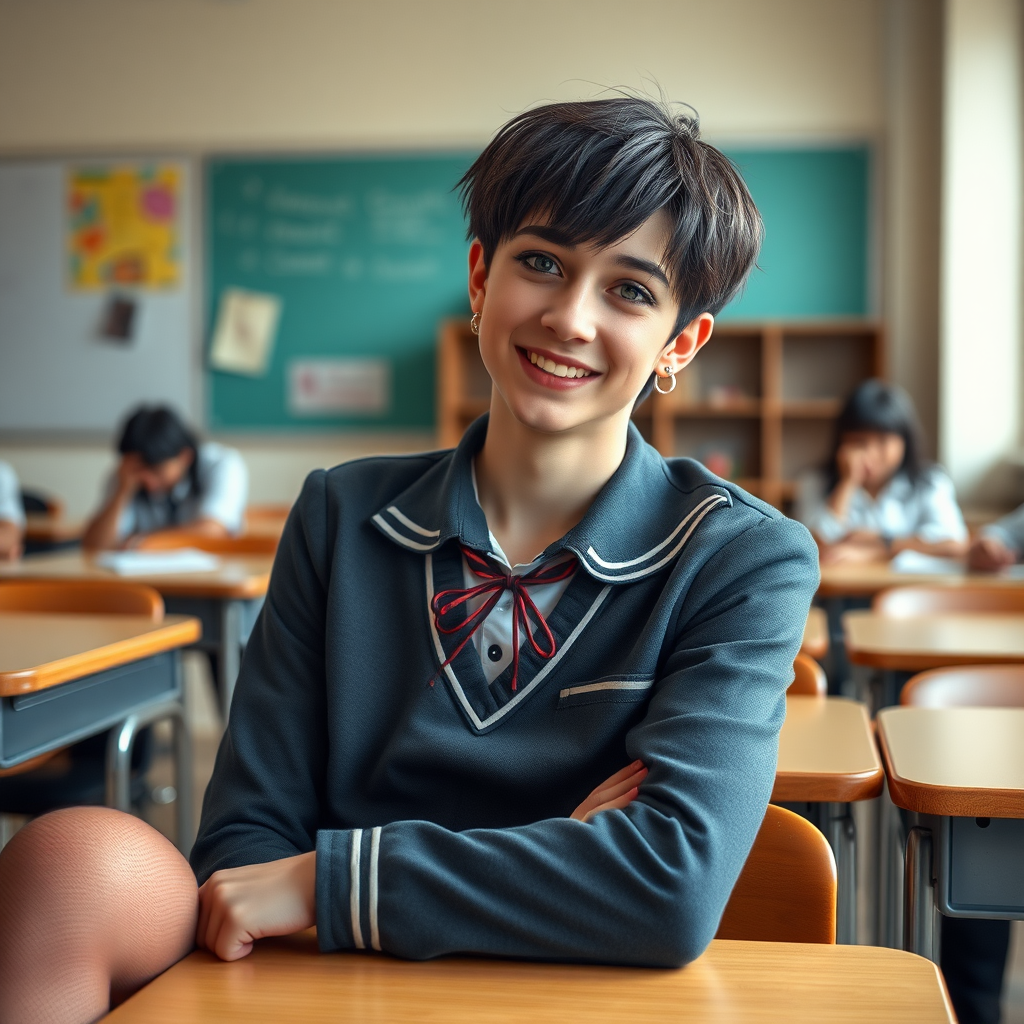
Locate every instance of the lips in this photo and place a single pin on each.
(535, 365)
(557, 368)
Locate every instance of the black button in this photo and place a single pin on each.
(494, 652)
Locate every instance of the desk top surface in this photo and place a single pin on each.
(39, 650)
(286, 979)
(966, 762)
(235, 578)
(868, 579)
(917, 642)
(827, 752)
(815, 642)
(49, 529)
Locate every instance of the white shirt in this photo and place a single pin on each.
(11, 509)
(223, 489)
(1009, 531)
(927, 510)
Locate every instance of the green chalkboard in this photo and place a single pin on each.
(368, 253)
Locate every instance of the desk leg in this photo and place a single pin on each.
(183, 766)
(230, 652)
(842, 836)
(919, 929)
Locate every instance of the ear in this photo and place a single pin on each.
(477, 276)
(686, 344)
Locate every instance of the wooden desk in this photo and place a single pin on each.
(916, 643)
(815, 641)
(66, 677)
(960, 772)
(226, 600)
(45, 530)
(827, 757)
(867, 580)
(763, 982)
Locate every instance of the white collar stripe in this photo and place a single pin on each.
(614, 684)
(595, 557)
(353, 887)
(395, 535)
(406, 521)
(537, 679)
(626, 577)
(374, 862)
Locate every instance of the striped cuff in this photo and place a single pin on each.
(346, 888)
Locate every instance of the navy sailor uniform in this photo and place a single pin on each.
(437, 801)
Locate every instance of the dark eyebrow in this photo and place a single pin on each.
(550, 234)
(644, 267)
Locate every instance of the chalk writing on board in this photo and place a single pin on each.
(288, 201)
(406, 218)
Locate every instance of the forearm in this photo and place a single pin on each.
(838, 502)
(198, 527)
(939, 549)
(10, 540)
(101, 532)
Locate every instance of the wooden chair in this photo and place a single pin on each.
(966, 686)
(83, 597)
(922, 600)
(247, 544)
(808, 678)
(35, 503)
(786, 891)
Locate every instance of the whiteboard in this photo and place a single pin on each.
(57, 373)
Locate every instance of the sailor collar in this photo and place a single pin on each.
(638, 523)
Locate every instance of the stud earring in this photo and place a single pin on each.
(474, 323)
(671, 374)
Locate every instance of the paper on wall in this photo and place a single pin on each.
(243, 340)
(338, 387)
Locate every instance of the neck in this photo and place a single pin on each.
(534, 486)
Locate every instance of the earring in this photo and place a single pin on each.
(474, 323)
(671, 374)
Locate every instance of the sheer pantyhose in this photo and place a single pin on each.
(93, 903)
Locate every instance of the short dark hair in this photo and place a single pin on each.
(155, 433)
(883, 408)
(598, 169)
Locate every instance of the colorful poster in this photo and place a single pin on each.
(123, 226)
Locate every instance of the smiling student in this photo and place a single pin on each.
(165, 481)
(458, 646)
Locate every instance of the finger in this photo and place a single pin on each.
(613, 792)
(218, 913)
(204, 914)
(614, 805)
(623, 773)
(232, 941)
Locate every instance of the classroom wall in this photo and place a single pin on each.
(199, 75)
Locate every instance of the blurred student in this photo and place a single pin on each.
(167, 481)
(876, 496)
(12, 515)
(999, 544)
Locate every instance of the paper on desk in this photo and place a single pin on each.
(158, 563)
(919, 564)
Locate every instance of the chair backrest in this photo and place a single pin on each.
(923, 600)
(808, 678)
(786, 891)
(85, 597)
(966, 686)
(35, 503)
(247, 544)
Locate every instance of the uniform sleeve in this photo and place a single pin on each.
(645, 885)
(1009, 531)
(263, 801)
(941, 518)
(812, 510)
(225, 490)
(11, 509)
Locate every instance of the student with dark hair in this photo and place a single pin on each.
(167, 480)
(12, 514)
(458, 647)
(876, 496)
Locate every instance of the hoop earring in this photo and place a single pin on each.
(474, 323)
(671, 374)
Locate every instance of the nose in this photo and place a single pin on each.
(572, 315)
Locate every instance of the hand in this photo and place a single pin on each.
(614, 793)
(239, 905)
(129, 474)
(855, 550)
(852, 464)
(989, 555)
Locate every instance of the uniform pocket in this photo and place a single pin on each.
(620, 689)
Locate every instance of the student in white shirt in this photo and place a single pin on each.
(999, 544)
(12, 515)
(876, 497)
(168, 481)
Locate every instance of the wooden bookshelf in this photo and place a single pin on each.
(758, 405)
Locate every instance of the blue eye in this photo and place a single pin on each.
(634, 293)
(540, 262)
